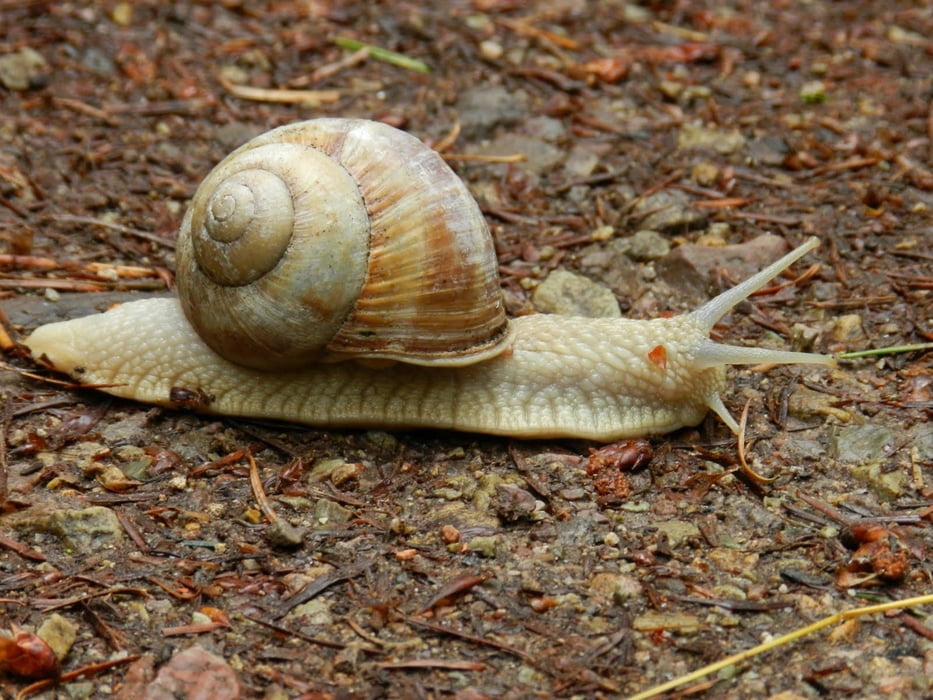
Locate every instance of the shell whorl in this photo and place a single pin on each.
(339, 238)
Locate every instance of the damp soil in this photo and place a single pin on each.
(627, 143)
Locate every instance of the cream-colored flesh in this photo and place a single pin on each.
(562, 377)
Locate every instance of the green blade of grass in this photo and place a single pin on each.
(385, 55)
(893, 350)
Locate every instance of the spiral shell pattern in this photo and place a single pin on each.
(334, 239)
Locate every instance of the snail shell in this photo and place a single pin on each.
(339, 238)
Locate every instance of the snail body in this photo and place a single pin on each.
(457, 363)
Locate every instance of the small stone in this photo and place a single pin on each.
(885, 484)
(514, 503)
(484, 545)
(22, 70)
(314, 612)
(450, 534)
(122, 14)
(448, 493)
(195, 673)
(282, 533)
(610, 265)
(327, 512)
(705, 173)
(689, 268)
(570, 294)
(59, 633)
(678, 531)
(922, 442)
(345, 472)
(199, 618)
(326, 469)
(666, 621)
(669, 210)
(644, 246)
(382, 440)
(491, 50)
(80, 530)
(803, 337)
(581, 162)
(863, 444)
(806, 403)
(715, 234)
(769, 149)
(546, 128)
(847, 330)
(724, 141)
(112, 478)
(733, 560)
(540, 156)
(484, 107)
(813, 92)
(616, 587)
(670, 88)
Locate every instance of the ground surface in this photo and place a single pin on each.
(454, 565)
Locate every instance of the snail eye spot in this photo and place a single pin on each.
(658, 357)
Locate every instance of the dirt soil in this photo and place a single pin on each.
(434, 564)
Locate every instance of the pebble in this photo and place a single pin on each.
(282, 533)
(327, 512)
(81, 530)
(866, 447)
(644, 246)
(863, 444)
(22, 70)
(195, 673)
(885, 484)
(848, 331)
(806, 403)
(678, 531)
(669, 210)
(689, 268)
(680, 622)
(484, 545)
(616, 587)
(570, 294)
(540, 157)
(723, 141)
(611, 266)
(514, 503)
(922, 443)
(484, 107)
(314, 612)
(59, 633)
(327, 469)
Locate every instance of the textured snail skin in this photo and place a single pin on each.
(601, 379)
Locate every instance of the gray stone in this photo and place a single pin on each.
(81, 530)
(571, 294)
(669, 210)
(484, 107)
(863, 444)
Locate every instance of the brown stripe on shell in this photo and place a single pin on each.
(431, 295)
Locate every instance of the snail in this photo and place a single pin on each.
(336, 272)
